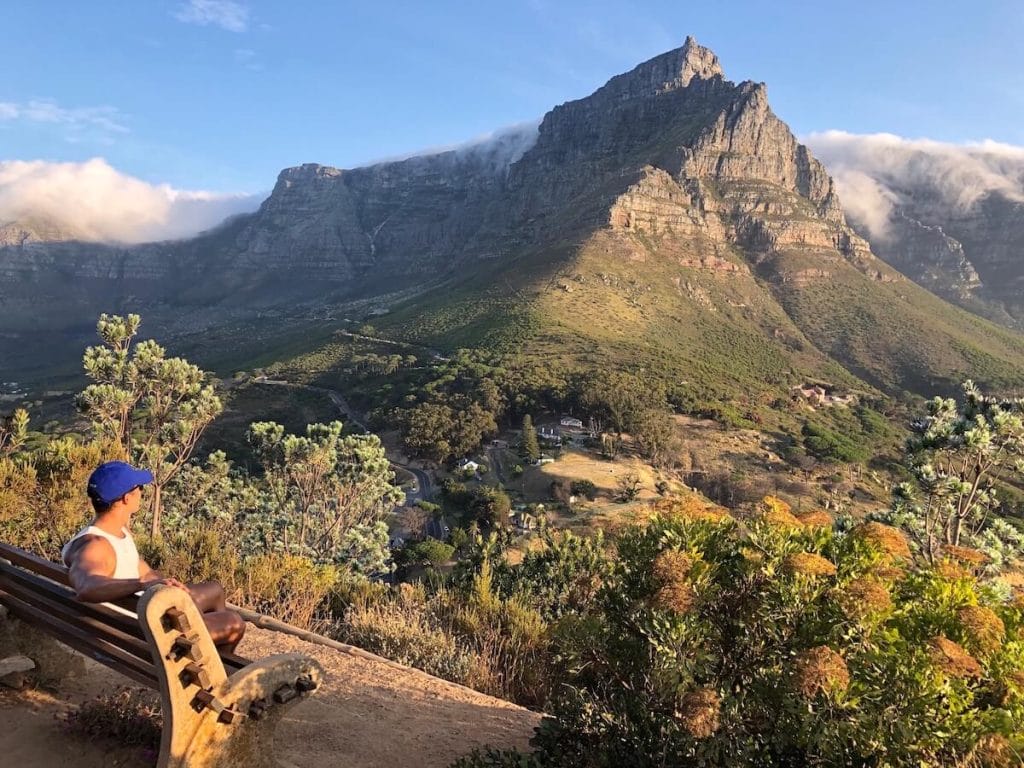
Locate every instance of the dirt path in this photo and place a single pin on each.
(366, 715)
(373, 715)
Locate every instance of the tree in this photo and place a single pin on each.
(629, 486)
(530, 446)
(491, 507)
(429, 552)
(13, 431)
(584, 488)
(955, 456)
(414, 519)
(325, 485)
(655, 436)
(153, 407)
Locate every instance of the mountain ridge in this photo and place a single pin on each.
(690, 180)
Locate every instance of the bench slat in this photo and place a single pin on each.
(105, 653)
(127, 624)
(69, 614)
(34, 563)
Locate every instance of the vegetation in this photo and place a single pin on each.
(529, 447)
(153, 408)
(956, 455)
(782, 644)
(694, 635)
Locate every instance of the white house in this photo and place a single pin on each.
(550, 435)
(573, 423)
(468, 465)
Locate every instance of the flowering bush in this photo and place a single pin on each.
(780, 642)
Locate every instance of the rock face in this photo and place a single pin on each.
(650, 138)
(670, 165)
(972, 255)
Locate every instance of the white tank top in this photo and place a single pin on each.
(125, 554)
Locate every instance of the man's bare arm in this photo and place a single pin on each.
(148, 575)
(92, 567)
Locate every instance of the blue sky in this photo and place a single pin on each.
(219, 95)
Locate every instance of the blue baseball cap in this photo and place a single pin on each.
(110, 481)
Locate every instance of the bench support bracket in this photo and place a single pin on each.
(211, 719)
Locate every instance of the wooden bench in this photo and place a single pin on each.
(219, 709)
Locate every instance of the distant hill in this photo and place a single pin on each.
(668, 222)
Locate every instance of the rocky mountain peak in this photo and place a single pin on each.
(670, 71)
(697, 61)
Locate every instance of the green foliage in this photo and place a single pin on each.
(778, 645)
(584, 488)
(830, 445)
(293, 589)
(404, 629)
(440, 432)
(329, 492)
(955, 456)
(13, 431)
(154, 408)
(529, 447)
(42, 501)
(430, 551)
(561, 577)
(629, 487)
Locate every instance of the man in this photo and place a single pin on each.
(105, 565)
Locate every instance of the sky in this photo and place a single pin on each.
(207, 100)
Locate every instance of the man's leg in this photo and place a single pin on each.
(208, 596)
(226, 627)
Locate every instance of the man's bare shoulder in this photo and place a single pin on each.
(92, 554)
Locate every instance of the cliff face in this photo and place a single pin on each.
(669, 165)
(973, 255)
(324, 230)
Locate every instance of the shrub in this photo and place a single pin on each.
(126, 716)
(696, 652)
(585, 488)
(290, 588)
(402, 630)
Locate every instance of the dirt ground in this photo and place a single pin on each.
(366, 715)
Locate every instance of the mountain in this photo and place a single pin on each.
(669, 222)
(950, 217)
(973, 256)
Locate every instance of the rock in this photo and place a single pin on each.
(12, 671)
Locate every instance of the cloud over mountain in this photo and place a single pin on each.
(95, 201)
(875, 172)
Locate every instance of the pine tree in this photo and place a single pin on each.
(530, 446)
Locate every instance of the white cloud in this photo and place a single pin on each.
(875, 172)
(499, 148)
(103, 121)
(226, 14)
(94, 201)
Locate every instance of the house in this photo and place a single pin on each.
(549, 435)
(571, 422)
(524, 520)
(468, 465)
(545, 459)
